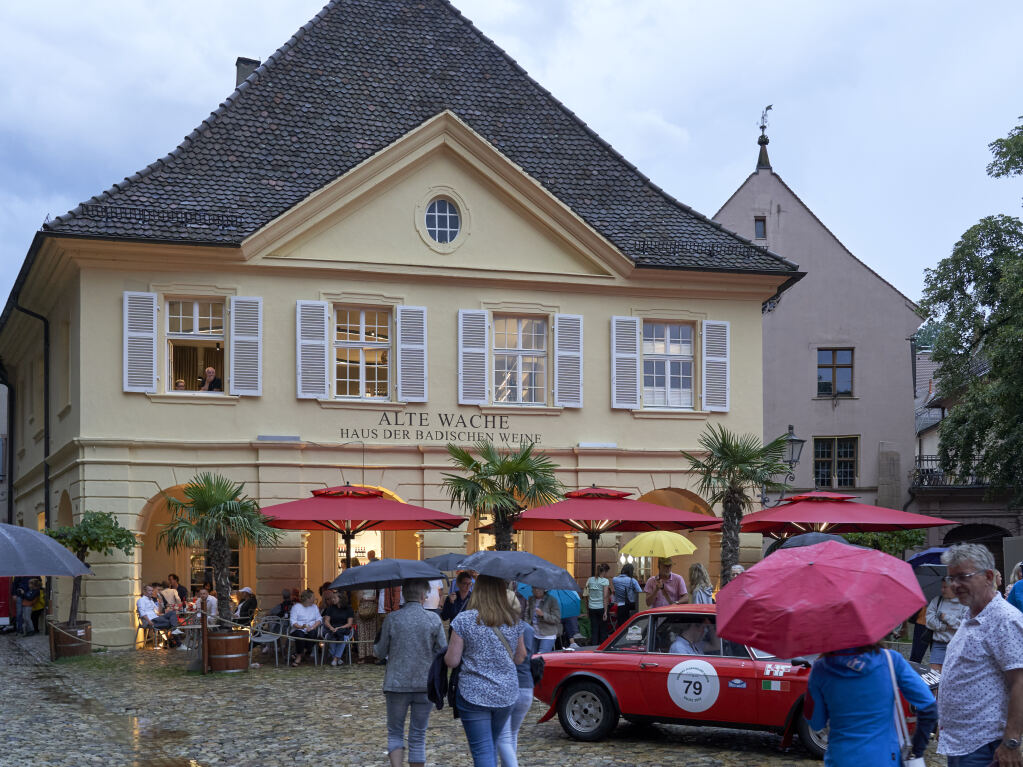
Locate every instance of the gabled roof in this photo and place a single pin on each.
(352, 81)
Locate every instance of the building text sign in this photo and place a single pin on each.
(440, 428)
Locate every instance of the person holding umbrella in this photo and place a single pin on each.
(410, 638)
(944, 614)
(544, 613)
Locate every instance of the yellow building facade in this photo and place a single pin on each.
(434, 291)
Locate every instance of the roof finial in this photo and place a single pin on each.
(763, 161)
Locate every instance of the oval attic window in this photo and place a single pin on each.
(442, 220)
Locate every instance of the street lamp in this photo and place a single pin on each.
(793, 451)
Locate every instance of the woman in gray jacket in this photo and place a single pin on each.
(544, 613)
(410, 639)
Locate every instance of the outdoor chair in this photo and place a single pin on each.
(318, 649)
(264, 632)
(150, 633)
(346, 649)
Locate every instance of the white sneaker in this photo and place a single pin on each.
(177, 631)
(182, 647)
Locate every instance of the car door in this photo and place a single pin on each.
(705, 679)
(779, 685)
(620, 663)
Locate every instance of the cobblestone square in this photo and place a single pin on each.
(143, 709)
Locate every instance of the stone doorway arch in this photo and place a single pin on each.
(989, 536)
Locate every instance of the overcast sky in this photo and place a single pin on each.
(882, 111)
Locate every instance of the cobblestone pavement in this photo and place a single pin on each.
(143, 709)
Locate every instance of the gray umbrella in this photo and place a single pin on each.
(383, 573)
(520, 566)
(446, 562)
(26, 552)
(807, 539)
(929, 577)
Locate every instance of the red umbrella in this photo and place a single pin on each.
(352, 509)
(818, 598)
(822, 511)
(597, 510)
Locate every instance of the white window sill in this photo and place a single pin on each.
(678, 414)
(508, 409)
(362, 404)
(194, 398)
(829, 399)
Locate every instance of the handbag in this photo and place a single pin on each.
(901, 728)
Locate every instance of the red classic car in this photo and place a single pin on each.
(669, 665)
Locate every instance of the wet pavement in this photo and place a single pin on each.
(144, 709)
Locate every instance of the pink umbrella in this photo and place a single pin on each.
(818, 598)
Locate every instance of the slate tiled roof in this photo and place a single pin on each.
(353, 80)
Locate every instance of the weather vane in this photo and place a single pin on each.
(763, 119)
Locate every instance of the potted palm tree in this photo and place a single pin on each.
(733, 472)
(501, 484)
(97, 532)
(213, 511)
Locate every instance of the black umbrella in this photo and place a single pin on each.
(383, 573)
(26, 552)
(806, 539)
(446, 562)
(929, 577)
(520, 566)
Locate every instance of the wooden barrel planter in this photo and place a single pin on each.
(71, 641)
(229, 651)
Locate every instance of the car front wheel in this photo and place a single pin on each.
(815, 741)
(586, 711)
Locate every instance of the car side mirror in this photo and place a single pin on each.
(801, 661)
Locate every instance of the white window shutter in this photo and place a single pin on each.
(246, 355)
(473, 378)
(139, 342)
(412, 365)
(568, 360)
(312, 327)
(625, 335)
(716, 383)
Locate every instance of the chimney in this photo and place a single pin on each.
(243, 68)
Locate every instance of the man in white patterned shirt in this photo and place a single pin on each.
(980, 698)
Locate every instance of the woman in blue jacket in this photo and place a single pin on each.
(851, 691)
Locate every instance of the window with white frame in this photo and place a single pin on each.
(520, 360)
(195, 337)
(667, 364)
(362, 352)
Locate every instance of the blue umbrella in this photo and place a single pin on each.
(383, 573)
(26, 552)
(931, 556)
(805, 539)
(519, 566)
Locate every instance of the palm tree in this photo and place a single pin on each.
(732, 473)
(501, 483)
(214, 509)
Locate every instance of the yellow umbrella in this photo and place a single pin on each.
(659, 543)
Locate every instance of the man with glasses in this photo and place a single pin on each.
(980, 698)
(665, 588)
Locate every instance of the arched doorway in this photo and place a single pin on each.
(708, 545)
(986, 535)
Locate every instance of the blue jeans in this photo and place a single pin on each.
(982, 757)
(508, 740)
(570, 627)
(398, 705)
(483, 726)
(545, 645)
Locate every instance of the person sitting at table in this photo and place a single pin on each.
(207, 603)
(305, 625)
(282, 609)
(151, 616)
(338, 622)
(247, 605)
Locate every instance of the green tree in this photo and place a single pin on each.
(97, 532)
(896, 543)
(735, 469)
(976, 295)
(501, 484)
(214, 509)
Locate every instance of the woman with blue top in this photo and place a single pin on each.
(486, 640)
(626, 592)
(851, 691)
(508, 740)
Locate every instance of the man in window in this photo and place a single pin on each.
(211, 382)
(688, 641)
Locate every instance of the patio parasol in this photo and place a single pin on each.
(520, 566)
(352, 509)
(822, 511)
(383, 573)
(27, 552)
(814, 599)
(659, 543)
(597, 510)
